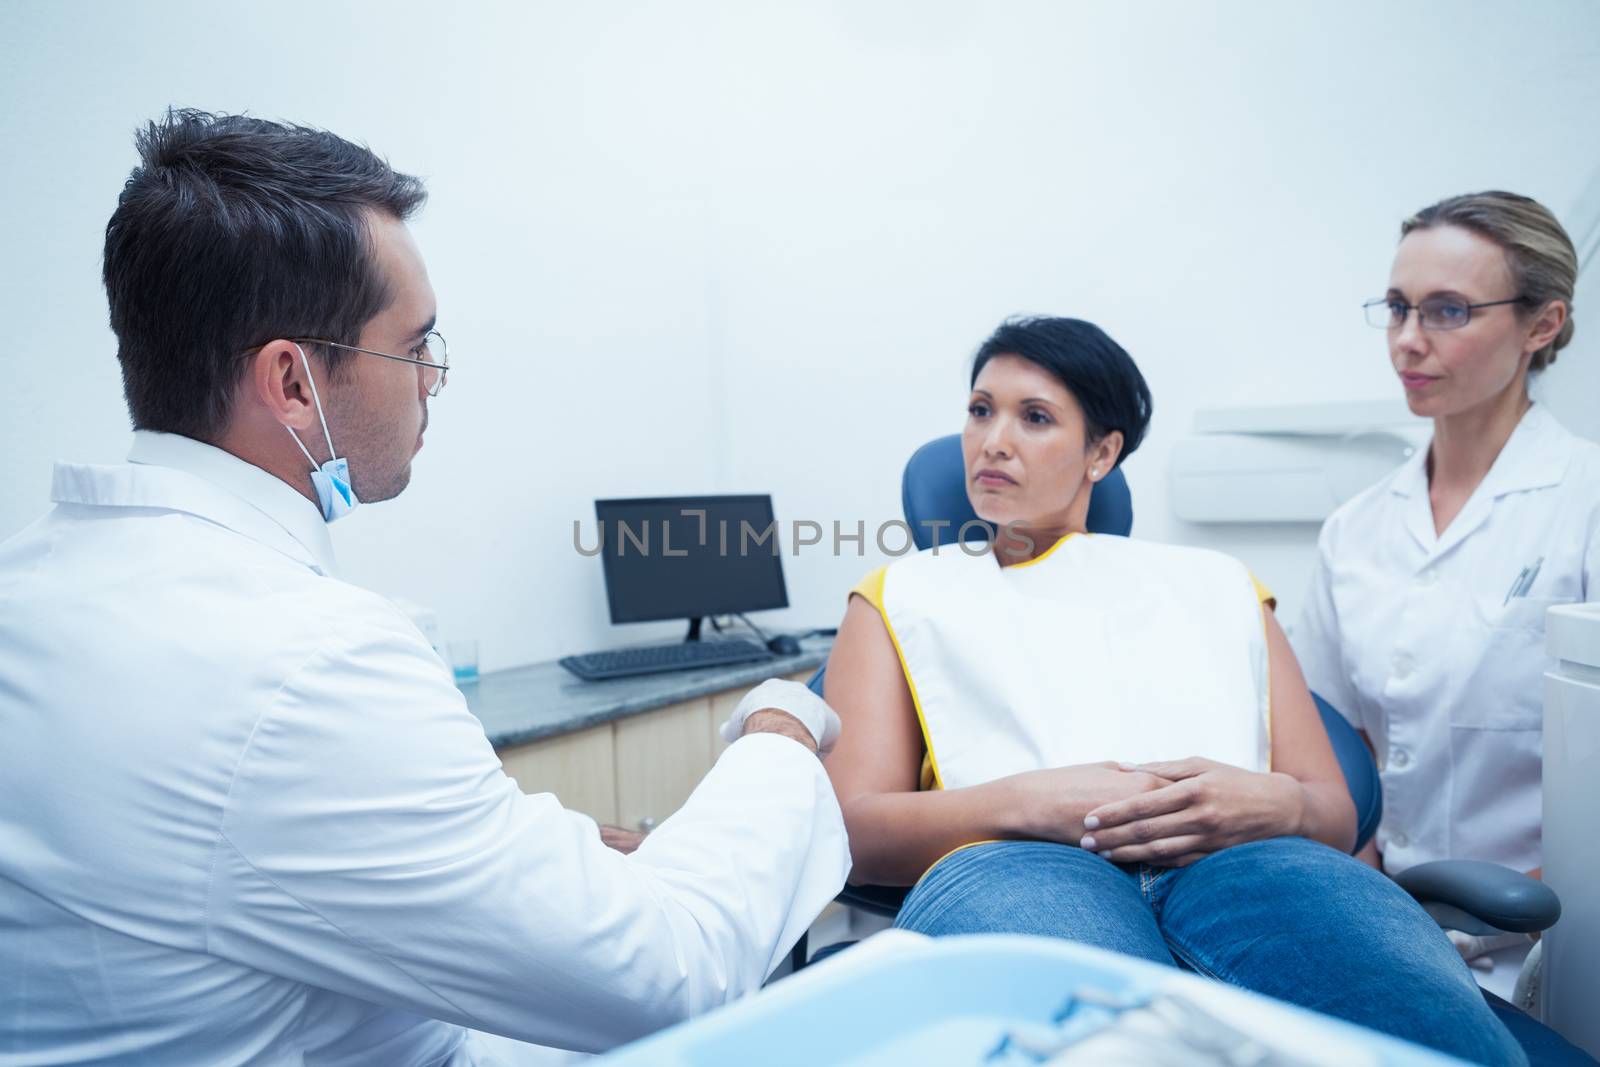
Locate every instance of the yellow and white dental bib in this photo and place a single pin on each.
(1102, 648)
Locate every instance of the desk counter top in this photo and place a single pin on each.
(543, 700)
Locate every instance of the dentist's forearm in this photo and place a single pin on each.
(774, 721)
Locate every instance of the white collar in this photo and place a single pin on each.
(179, 473)
(1536, 455)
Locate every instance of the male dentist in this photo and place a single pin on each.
(245, 817)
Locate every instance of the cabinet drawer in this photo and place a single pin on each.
(579, 768)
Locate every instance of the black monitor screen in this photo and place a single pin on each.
(690, 556)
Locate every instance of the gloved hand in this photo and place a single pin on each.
(792, 698)
(1475, 948)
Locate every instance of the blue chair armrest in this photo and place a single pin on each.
(1498, 896)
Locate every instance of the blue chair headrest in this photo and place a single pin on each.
(934, 489)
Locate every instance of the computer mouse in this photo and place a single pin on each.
(784, 645)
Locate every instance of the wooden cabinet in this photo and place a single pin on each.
(634, 772)
(718, 708)
(579, 768)
(661, 757)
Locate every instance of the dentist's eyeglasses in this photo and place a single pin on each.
(1435, 312)
(431, 355)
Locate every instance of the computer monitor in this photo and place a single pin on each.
(686, 557)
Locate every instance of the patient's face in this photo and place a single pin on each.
(1024, 445)
(1446, 372)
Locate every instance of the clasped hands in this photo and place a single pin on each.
(1190, 808)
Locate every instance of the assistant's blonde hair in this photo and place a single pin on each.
(1544, 265)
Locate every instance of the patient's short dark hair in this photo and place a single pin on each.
(231, 232)
(1094, 368)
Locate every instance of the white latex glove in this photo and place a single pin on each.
(1475, 948)
(791, 698)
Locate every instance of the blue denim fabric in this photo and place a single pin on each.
(1287, 917)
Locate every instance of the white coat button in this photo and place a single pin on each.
(1399, 757)
(1403, 664)
(1400, 840)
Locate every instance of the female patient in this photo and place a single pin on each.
(1109, 740)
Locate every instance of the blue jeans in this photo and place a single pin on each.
(1286, 917)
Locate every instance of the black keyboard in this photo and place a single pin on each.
(654, 659)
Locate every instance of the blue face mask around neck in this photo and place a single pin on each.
(331, 480)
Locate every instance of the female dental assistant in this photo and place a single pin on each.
(1425, 621)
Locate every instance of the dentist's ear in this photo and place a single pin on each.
(1546, 326)
(278, 378)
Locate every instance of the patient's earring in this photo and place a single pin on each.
(1094, 474)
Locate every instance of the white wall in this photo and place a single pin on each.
(1572, 386)
(698, 247)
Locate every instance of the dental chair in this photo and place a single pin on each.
(1466, 895)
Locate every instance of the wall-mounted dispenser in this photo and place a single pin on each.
(1288, 463)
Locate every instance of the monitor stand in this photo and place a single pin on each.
(694, 629)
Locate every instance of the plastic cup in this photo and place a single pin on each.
(464, 660)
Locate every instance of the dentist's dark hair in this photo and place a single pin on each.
(1099, 374)
(231, 232)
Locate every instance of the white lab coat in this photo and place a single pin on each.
(1413, 637)
(245, 817)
